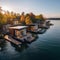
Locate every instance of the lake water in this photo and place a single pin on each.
(46, 47)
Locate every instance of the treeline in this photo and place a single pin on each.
(53, 18)
(29, 18)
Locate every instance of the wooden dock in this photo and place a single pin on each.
(30, 40)
(10, 39)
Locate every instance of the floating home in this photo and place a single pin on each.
(34, 28)
(20, 34)
(45, 24)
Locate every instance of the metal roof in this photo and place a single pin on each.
(18, 27)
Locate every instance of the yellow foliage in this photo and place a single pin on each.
(28, 20)
(22, 18)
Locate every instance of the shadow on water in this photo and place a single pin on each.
(20, 49)
(43, 31)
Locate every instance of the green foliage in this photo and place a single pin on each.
(40, 17)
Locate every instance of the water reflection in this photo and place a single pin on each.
(43, 31)
(20, 49)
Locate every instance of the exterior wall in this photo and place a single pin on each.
(11, 31)
(15, 22)
(24, 32)
(34, 28)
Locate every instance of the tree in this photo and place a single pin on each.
(22, 18)
(40, 17)
(32, 16)
(28, 19)
(1, 18)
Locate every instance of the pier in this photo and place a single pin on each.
(10, 39)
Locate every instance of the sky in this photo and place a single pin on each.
(49, 8)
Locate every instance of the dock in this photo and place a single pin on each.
(10, 39)
(30, 40)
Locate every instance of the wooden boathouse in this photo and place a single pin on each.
(33, 28)
(20, 33)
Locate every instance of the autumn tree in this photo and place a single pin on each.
(2, 21)
(32, 16)
(28, 19)
(22, 18)
(2, 18)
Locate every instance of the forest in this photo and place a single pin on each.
(7, 17)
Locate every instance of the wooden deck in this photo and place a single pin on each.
(27, 38)
(10, 39)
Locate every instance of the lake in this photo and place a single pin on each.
(46, 47)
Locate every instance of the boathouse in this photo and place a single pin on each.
(17, 31)
(20, 32)
(15, 21)
(33, 27)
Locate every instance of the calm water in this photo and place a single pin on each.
(46, 47)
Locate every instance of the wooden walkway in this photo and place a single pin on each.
(10, 39)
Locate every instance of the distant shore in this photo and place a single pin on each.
(53, 18)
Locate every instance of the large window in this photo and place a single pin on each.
(20, 33)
